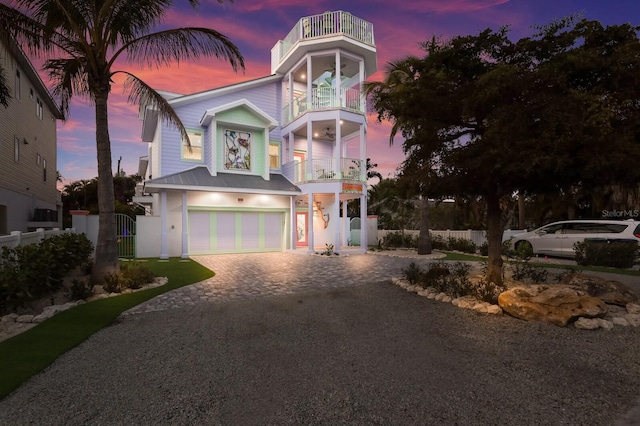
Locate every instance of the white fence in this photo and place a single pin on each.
(18, 238)
(478, 237)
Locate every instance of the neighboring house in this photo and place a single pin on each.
(28, 195)
(273, 161)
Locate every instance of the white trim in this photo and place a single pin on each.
(195, 97)
(211, 113)
(216, 189)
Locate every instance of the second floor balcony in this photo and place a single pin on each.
(323, 98)
(325, 169)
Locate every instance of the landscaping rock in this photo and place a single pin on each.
(446, 299)
(633, 308)
(465, 302)
(593, 324)
(609, 291)
(620, 321)
(551, 304)
(494, 310)
(633, 319)
(25, 318)
(480, 307)
(9, 318)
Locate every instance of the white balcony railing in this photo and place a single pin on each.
(324, 25)
(324, 98)
(324, 169)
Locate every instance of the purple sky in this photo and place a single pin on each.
(255, 26)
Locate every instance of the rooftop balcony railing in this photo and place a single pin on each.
(324, 169)
(324, 25)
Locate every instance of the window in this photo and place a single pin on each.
(38, 159)
(193, 152)
(16, 149)
(44, 170)
(274, 155)
(31, 93)
(237, 150)
(18, 88)
(39, 108)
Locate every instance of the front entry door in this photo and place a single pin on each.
(302, 222)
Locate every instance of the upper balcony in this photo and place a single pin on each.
(325, 169)
(326, 30)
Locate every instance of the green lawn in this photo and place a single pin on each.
(28, 353)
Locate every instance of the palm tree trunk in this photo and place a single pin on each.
(494, 238)
(106, 254)
(424, 239)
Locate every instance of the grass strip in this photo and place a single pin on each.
(28, 353)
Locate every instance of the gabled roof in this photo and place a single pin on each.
(196, 97)
(34, 77)
(211, 113)
(199, 179)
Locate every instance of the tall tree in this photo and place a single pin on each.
(484, 116)
(81, 41)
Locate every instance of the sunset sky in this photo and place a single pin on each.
(255, 26)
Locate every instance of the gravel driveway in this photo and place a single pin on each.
(364, 354)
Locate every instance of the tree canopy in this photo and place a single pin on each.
(485, 116)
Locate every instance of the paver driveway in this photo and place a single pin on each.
(247, 276)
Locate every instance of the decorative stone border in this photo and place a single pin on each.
(617, 316)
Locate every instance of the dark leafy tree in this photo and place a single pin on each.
(5, 92)
(484, 116)
(81, 41)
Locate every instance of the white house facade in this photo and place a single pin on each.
(271, 163)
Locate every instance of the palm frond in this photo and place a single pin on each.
(68, 77)
(5, 93)
(164, 47)
(140, 93)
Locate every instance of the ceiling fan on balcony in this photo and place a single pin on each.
(332, 69)
(330, 133)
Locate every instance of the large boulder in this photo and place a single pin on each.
(609, 291)
(556, 304)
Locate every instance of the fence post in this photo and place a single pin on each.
(18, 238)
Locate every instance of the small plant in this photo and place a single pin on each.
(328, 250)
(137, 274)
(484, 249)
(488, 291)
(461, 244)
(438, 243)
(113, 283)
(414, 274)
(80, 289)
(398, 239)
(569, 270)
(522, 269)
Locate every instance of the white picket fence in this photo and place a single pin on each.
(478, 237)
(17, 238)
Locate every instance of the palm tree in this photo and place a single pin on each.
(397, 85)
(81, 40)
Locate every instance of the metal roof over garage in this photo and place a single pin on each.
(200, 179)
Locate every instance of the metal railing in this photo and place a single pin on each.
(324, 25)
(324, 169)
(323, 98)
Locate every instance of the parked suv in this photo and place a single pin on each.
(558, 238)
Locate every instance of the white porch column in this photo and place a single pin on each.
(309, 167)
(310, 225)
(293, 220)
(309, 85)
(338, 94)
(185, 232)
(337, 154)
(363, 156)
(345, 224)
(164, 250)
(335, 213)
(363, 219)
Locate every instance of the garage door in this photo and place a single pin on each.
(235, 232)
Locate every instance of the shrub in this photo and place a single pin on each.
(484, 249)
(137, 274)
(523, 270)
(80, 289)
(612, 253)
(489, 291)
(398, 239)
(413, 273)
(438, 243)
(461, 244)
(33, 271)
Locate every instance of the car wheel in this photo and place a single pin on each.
(524, 248)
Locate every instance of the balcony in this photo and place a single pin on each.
(323, 98)
(320, 26)
(325, 169)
